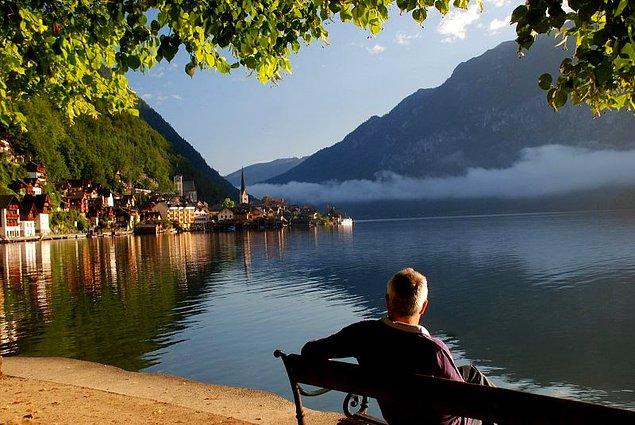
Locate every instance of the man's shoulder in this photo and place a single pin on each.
(363, 325)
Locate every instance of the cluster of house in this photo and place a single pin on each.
(29, 217)
(274, 212)
(19, 219)
(265, 214)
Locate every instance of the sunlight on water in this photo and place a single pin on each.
(541, 302)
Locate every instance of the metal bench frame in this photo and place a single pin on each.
(499, 405)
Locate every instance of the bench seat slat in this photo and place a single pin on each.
(457, 398)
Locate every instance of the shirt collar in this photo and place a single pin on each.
(418, 329)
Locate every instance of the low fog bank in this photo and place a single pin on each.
(544, 171)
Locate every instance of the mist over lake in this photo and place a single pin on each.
(545, 171)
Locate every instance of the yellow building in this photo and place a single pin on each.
(182, 215)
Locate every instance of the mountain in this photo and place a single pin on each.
(111, 151)
(482, 116)
(265, 170)
(210, 185)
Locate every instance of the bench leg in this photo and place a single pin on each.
(297, 397)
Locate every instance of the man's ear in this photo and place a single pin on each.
(424, 307)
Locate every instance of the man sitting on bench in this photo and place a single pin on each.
(397, 343)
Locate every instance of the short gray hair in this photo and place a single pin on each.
(407, 292)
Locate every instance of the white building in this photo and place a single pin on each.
(27, 228)
(9, 217)
(42, 224)
(107, 199)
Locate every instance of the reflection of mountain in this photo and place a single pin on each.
(106, 300)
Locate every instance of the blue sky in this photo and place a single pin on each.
(233, 120)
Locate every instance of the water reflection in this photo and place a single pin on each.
(107, 300)
(542, 302)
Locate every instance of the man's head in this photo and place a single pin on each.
(407, 295)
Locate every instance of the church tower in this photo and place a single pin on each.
(243, 198)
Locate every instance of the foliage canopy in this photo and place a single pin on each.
(601, 72)
(76, 52)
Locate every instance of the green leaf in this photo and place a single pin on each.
(190, 68)
(544, 82)
(557, 98)
(620, 7)
(442, 6)
(519, 13)
(133, 62)
(419, 15)
(461, 4)
(223, 67)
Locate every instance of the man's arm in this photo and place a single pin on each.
(447, 367)
(339, 345)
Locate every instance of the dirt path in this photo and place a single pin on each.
(65, 391)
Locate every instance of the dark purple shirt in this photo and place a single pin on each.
(383, 345)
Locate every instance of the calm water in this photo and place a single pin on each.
(542, 302)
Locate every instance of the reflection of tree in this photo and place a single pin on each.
(108, 300)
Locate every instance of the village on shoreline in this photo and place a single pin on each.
(85, 208)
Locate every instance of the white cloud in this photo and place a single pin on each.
(455, 24)
(158, 98)
(497, 24)
(376, 49)
(157, 72)
(404, 39)
(545, 170)
(498, 3)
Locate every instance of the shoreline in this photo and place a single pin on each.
(77, 236)
(66, 391)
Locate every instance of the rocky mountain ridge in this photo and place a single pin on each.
(484, 115)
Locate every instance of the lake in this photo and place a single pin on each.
(541, 302)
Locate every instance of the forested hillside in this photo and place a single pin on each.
(111, 150)
(209, 183)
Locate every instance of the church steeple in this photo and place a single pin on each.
(243, 197)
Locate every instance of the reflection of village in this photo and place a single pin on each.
(31, 214)
(34, 274)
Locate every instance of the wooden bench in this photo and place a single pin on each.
(499, 405)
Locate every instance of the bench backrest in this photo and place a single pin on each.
(498, 405)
